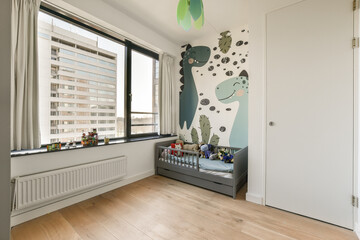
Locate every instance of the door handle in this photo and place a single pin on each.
(271, 124)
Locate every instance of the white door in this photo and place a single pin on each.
(309, 162)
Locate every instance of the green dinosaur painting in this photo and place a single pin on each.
(231, 90)
(193, 57)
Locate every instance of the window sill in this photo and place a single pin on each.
(43, 150)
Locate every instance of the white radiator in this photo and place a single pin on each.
(39, 189)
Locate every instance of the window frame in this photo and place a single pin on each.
(128, 68)
(129, 46)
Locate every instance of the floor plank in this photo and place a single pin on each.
(51, 226)
(86, 226)
(162, 208)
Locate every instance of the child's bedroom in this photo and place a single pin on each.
(180, 119)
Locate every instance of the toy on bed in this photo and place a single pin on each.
(191, 147)
(207, 151)
(225, 156)
(165, 153)
(214, 156)
(177, 146)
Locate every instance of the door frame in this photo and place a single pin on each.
(356, 190)
(356, 111)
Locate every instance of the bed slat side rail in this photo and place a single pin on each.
(187, 157)
(158, 151)
(197, 162)
(178, 150)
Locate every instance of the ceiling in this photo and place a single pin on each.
(160, 15)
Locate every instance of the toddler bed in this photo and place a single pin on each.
(190, 167)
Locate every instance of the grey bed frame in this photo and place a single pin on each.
(190, 173)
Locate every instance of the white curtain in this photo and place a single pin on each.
(168, 109)
(25, 129)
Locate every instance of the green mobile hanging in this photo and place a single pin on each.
(188, 9)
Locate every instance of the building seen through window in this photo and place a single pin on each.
(82, 84)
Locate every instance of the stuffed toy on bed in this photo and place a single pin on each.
(165, 152)
(177, 146)
(225, 156)
(191, 147)
(214, 156)
(228, 158)
(206, 150)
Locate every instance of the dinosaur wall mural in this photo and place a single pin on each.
(212, 112)
(193, 57)
(231, 90)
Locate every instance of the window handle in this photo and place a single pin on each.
(130, 95)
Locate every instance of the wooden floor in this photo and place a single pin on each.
(161, 208)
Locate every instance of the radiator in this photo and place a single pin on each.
(43, 188)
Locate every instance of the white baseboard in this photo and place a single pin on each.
(18, 218)
(254, 198)
(357, 230)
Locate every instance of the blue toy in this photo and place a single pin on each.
(228, 158)
(225, 156)
(206, 150)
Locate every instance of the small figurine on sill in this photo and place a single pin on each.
(91, 139)
(53, 147)
(72, 144)
(106, 140)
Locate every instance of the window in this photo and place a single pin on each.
(82, 82)
(144, 103)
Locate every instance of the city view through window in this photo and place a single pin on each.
(82, 84)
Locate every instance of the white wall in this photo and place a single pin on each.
(256, 178)
(5, 37)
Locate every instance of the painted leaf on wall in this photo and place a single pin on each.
(194, 136)
(225, 41)
(205, 128)
(214, 140)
